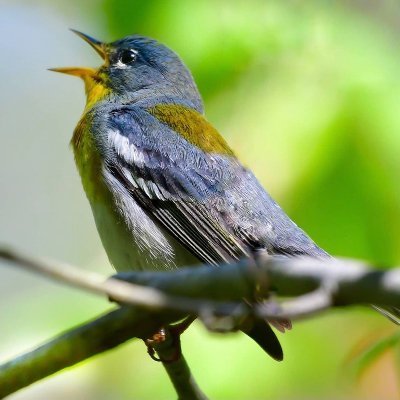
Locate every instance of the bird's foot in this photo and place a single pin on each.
(166, 343)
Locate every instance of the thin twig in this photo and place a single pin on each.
(116, 289)
(177, 368)
(209, 291)
(298, 308)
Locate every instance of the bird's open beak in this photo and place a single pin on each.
(84, 72)
(97, 45)
(81, 72)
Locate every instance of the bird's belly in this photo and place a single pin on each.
(121, 249)
(132, 247)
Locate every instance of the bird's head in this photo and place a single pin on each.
(136, 66)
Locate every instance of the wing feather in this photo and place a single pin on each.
(209, 202)
(186, 221)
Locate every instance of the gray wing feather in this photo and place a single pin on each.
(210, 203)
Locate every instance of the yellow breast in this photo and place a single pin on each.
(88, 162)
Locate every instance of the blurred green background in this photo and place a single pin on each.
(308, 95)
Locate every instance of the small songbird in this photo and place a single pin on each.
(165, 188)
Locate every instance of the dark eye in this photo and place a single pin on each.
(127, 56)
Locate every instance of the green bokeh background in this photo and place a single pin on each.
(308, 95)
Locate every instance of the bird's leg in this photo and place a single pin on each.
(167, 341)
(154, 342)
(166, 344)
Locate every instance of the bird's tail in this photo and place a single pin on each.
(265, 337)
(393, 313)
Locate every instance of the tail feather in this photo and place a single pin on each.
(392, 313)
(265, 337)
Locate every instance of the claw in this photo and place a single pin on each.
(159, 342)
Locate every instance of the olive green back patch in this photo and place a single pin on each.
(193, 127)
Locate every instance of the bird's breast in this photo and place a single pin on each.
(88, 161)
(131, 239)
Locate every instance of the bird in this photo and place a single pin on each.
(165, 188)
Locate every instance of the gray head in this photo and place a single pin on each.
(138, 66)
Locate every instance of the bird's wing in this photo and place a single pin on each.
(178, 184)
(182, 172)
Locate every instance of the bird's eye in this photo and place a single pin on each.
(127, 56)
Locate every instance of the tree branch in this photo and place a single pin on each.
(205, 290)
(161, 298)
(340, 282)
(122, 292)
(80, 343)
